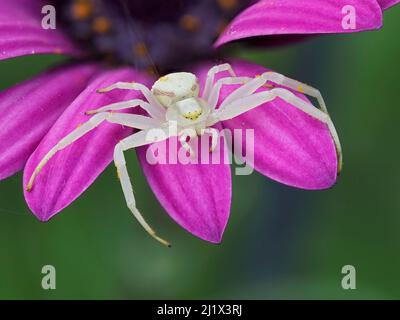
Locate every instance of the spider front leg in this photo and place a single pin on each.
(211, 76)
(129, 120)
(216, 90)
(247, 89)
(260, 81)
(136, 140)
(157, 108)
(250, 102)
(253, 85)
(151, 110)
(296, 86)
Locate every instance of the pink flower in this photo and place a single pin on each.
(291, 147)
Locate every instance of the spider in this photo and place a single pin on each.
(175, 98)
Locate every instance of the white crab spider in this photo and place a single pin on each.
(175, 97)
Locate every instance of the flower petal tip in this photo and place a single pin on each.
(210, 237)
(43, 219)
(386, 4)
(42, 215)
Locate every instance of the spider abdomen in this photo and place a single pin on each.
(175, 87)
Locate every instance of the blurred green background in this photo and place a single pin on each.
(280, 242)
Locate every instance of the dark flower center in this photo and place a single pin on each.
(156, 35)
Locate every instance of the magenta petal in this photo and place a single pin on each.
(276, 17)
(71, 171)
(386, 4)
(21, 31)
(290, 146)
(196, 196)
(28, 111)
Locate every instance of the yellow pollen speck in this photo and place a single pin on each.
(189, 22)
(300, 89)
(228, 4)
(82, 9)
(101, 25)
(258, 76)
(193, 115)
(140, 49)
(163, 79)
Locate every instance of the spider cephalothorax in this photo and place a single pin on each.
(175, 98)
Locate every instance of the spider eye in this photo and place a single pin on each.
(175, 87)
